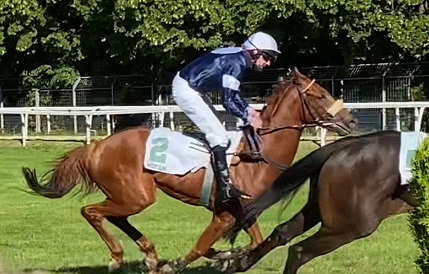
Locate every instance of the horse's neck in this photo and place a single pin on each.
(281, 145)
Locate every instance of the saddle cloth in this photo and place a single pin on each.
(173, 152)
(410, 142)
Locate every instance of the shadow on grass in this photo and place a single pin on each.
(130, 268)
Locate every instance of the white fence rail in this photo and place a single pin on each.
(108, 111)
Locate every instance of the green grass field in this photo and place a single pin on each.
(41, 234)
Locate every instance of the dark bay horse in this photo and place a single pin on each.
(115, 166)
(354, 185)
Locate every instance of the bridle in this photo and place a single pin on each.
(330, 113)
(327, 119)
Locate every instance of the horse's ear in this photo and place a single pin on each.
(295, 74)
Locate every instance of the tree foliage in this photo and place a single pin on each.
(419, 219)
(59, 39)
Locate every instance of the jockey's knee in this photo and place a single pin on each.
(217, 140)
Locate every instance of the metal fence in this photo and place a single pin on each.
(357, 83)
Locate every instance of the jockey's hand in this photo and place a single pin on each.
(255, 118)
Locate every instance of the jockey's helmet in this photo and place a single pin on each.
(263, 43)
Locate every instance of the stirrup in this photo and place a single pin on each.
(231, 192)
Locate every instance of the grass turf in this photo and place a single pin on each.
(41, 234)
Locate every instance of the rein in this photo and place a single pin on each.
(274, 129)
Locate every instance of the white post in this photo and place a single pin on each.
(109, 124)
(422, 111)
(398, 119)
(383, 99)
(48, 123)
(172, 119)
(416, 119)
(24, 126)
(323, 132)
(88, 121)
(37, 104)
(158, 102)
(75, 84)
(162, 119)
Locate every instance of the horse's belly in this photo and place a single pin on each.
(185, 188)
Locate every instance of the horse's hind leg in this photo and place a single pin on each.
(95, 215)
(129, 201)
(145, 245)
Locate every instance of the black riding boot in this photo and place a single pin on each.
(225, 189)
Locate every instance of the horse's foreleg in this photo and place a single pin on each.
(255, 239)
(304, 220)
(323, 242)
(255, 235)
(211, 234)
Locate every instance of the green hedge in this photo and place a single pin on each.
(419, 218)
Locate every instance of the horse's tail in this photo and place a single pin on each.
(285, 185)
(72, 169)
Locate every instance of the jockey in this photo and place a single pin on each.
(222, 69)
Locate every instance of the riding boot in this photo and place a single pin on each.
(225, 189)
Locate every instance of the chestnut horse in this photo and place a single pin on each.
(115, 165)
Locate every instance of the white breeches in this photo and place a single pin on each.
(199, 112)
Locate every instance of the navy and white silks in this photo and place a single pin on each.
(221, 69)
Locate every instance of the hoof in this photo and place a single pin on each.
(225, 255)
(231, 265)
(222, 265)
(175, 266)
(231, 254)
(167, 269)
(114, 265)
(150, 264)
